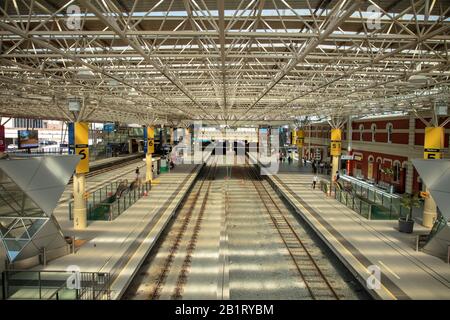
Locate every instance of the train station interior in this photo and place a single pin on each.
(225, 150)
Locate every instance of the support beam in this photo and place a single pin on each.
(221, 8)
(138, 48)
(336, 18)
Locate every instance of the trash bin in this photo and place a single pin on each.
(164, 166)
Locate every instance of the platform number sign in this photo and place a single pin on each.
(434, 143)
(300, 138)
(336, 137)
(81, 146)
(149, 138)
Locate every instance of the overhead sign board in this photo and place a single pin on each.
(108, 127)
(434, 143)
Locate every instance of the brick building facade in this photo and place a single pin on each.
(378, 143)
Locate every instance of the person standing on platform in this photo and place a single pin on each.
(289, 160)
(138, 174)
(315, 180)
(336, 178)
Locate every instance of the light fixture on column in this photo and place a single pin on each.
(74, 104)
(440, 108)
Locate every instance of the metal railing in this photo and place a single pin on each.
(55, 285)
(385, 205)
(111, 200)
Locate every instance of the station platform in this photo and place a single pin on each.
(360, 243)
(118, 247)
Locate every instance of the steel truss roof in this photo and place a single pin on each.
(172, 61)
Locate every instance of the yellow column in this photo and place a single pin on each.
(433, 147)
(79, 201)
(300, 141)
(335, 150)
(81, 132)
(171, 137)
(150, 151)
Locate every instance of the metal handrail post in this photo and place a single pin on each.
(40, 285)
(92, 286)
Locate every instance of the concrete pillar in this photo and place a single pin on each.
(171, 136)
(148, 167)
(79, 201)
(79, 138)
(300, 141)
(149, 142)
(411, 142)
(334, 166)
(349, 166)
(433, 147)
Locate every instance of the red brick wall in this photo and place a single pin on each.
(387, 162)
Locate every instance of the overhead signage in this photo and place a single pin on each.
(434, 143)
(108, 127)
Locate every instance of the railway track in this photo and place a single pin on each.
(317, 284)
(201, 193)
(110, 168)
(174, 272)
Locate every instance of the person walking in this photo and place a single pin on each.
(138, 174)
(315, 180)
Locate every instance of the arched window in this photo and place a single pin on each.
(389, 130)
(373, 129)
(396, 170)
(361, 131)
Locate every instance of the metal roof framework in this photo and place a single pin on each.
(227, 62)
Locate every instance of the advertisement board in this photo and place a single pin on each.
(28, 139)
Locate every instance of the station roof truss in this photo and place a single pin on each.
(171, 61)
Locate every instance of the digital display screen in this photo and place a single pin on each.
(28, 139)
